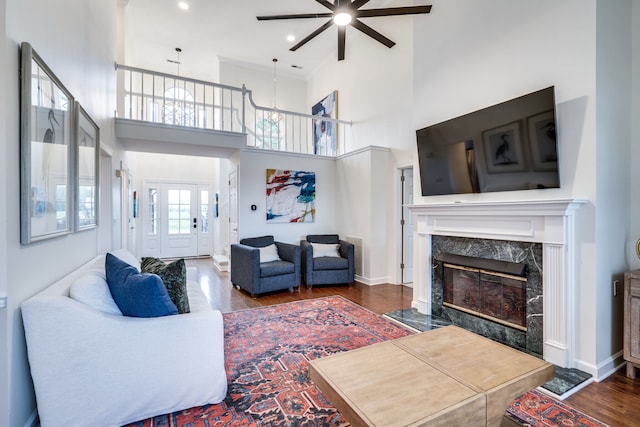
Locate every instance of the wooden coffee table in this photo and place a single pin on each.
(444, 377)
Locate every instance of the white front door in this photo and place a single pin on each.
(180, 221)
(176, 220)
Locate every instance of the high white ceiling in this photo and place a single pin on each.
(229, 30)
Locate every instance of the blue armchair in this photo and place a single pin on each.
(332, 262)
(260, 264)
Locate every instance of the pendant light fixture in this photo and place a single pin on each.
(274, 115)
(275, 83)
(176, 61)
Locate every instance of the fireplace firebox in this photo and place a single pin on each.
(486, 288)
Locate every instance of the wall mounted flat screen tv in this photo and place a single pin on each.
(506, 147)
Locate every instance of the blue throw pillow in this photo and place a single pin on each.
(137, 294)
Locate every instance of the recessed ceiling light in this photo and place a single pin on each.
(291, 38)
(183, 5)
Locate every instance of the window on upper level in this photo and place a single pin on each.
(179, 107)
(270, 132)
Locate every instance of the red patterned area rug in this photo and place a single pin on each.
(537, 409)
(267, 351)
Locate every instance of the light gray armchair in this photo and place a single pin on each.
(277, 272)
(336, 263)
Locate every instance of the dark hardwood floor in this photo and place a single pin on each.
(614, 401)
(379, 299)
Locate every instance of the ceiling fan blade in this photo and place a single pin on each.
(358, 25)
(295, 16)
(391, 11)
(312, 35)
(327, 4)
(357, 4)
(342, 38)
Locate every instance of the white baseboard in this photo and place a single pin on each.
(221, 262)
(373, 281)
(604, 369)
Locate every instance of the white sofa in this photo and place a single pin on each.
(91, 366)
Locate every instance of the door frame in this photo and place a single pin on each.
(399, 227)
(105, 192)
(234, 227)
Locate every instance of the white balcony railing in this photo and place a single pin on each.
(164, 98)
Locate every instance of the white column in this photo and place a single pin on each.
(422, 269)
(555, 347)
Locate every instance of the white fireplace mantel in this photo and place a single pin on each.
(549, 221)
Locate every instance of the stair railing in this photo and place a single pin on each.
(157, 97)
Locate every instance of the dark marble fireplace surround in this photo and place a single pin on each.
(531, 340)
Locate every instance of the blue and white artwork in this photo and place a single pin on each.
(325, 131)
(290, 196)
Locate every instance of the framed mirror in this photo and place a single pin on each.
(46, 167)
(87, 155)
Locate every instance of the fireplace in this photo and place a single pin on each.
(485, 289)
(500, 285)
(545, 226)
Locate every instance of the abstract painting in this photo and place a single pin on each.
(290, 196)
(324, 131)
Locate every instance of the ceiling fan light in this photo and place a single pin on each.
(342, 18)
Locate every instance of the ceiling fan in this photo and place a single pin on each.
(347, 12)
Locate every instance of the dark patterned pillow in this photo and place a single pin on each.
(174, 276)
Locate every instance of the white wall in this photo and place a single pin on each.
(252, 191)
(193, 65)
(365, 187)
(156, 167)
(345, 188)
(634, 233)
(77, 41)
(290, 92)
(613, 144)
(354, 201)
(4, 178)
